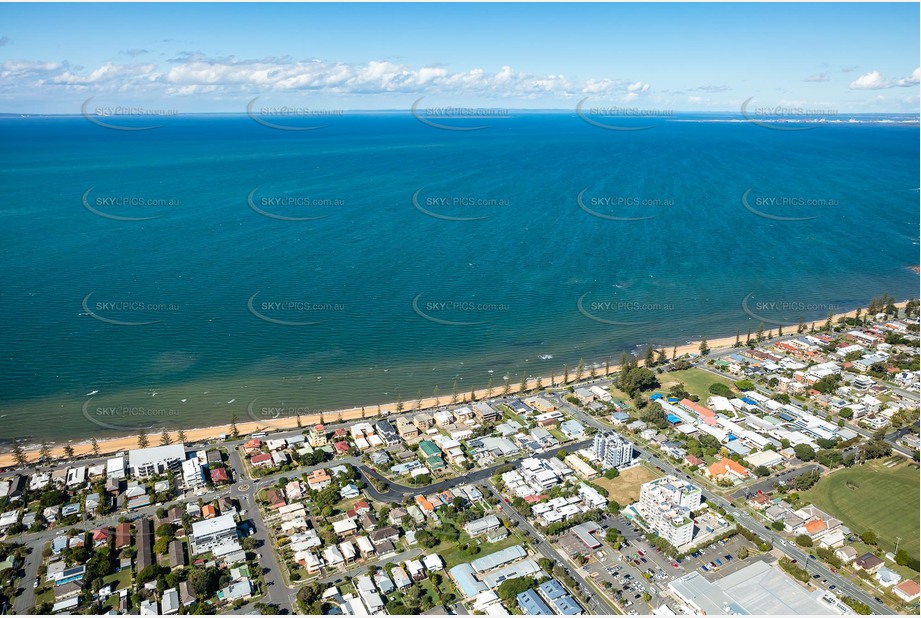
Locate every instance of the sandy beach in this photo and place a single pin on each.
(124, 443)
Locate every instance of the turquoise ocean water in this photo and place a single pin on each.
(419, 257)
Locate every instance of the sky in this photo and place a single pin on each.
(844, 58)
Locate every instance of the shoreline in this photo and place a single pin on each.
(125, 443)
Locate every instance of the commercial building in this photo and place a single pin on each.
(757, 589)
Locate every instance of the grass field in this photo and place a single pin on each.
(696, 381)
(874, 496)
(451, 553)
(625, 489)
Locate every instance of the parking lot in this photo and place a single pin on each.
(712, 562)
(623, 570)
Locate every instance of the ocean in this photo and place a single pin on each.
(184, 272)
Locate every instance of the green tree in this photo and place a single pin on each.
(704, 348)
(869, 537)
(511, 588)
(143, 442)
(804, 540)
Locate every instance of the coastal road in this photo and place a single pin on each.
(597, 602)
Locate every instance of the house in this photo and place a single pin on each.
(727, 469)
(100, 537)
(387, 432)
(262, 460)
(345, 527)
(400, 578)
(869, 562)
(122, 535)
(383, 582)
(238, 590)
(406, 429)
(275, 498)
(219, 475)
(415, 569)
(348, 551)
(573, 429)
(846, 554)
(208, 511)
(887, 578)
(694, 461)
(368, 521)
(252, 447)
(389, 533)
(319, 479)
(759, 501)
(433, 562)
(169, 603)
(349, 491)
(149, 607)
(908, 590)
(342, 447)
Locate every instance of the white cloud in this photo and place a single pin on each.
(638, 87)
(194, 73)
(911, 80)
(875, 81)
(818, 77)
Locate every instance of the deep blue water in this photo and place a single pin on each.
(529, 253)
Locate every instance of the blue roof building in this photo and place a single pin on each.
(463, 577)
(532, 605)
(497, 559)
(567, 606)
(552, 590)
